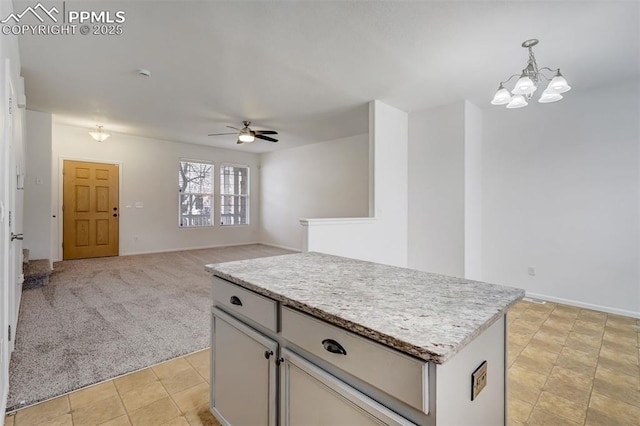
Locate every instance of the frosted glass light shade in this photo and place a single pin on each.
(549, 96)
(518, 101)
(501, 97)
(558, 85)
(524, 86)
(99, 136)
(246, 137)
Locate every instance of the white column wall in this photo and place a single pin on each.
(37, 186)
(436, 241)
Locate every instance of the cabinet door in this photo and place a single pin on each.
(243, 373)
(312, 397)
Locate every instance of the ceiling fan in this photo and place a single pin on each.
(247, 135)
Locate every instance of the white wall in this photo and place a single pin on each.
(383, 237)
(328, 179)
(149, 175)
(37, 186)
(436, 241)
(561, 189)
(472, 191)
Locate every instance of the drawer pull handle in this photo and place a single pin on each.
(267, 354)
(235, 300)
(333, 347)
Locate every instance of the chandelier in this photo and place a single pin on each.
(528, 82)
(99, 135)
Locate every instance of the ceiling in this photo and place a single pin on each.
(307, 69)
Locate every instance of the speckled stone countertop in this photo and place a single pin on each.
(429, 316)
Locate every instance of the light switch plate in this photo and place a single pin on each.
(478, 380)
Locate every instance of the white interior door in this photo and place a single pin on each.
(14, 216)
(5, 237)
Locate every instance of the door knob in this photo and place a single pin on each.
(115, 215)
(16, 236)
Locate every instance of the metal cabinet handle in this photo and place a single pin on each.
(267, 354)
(16, 236)
(235, 300)
(333, 347)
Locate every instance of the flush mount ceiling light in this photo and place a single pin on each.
(99, 135)
(528, 82)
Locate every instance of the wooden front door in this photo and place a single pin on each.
(90, 209)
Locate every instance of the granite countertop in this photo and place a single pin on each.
(429, 316)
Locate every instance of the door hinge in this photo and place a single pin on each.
(9, 333)
(10, 105)
(63, 245)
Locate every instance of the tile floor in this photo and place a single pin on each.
(173, 393)
(572, 366)
(567, 366)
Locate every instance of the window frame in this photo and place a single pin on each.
(247, 196)
(211, 194)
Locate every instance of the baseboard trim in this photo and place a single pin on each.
(579, 304)
(189, 248)
(297, 250)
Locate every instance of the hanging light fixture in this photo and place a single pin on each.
(528, 82)
(246, 135)
(99, 135)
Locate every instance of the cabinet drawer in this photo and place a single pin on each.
(245, 302)
(313, 397)
(388, 370)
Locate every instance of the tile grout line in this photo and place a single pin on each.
(548, 375)
(593, 382)
(175, 404)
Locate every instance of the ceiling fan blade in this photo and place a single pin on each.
(266, 138)
(234, 128)
(220, 134)
(266, 132)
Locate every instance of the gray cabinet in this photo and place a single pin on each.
(243, 373)
(284, 362)
(312, 397)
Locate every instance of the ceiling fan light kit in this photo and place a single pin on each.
(528, 82)
(246, 135)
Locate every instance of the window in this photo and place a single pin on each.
(196, 194)
(234, 192)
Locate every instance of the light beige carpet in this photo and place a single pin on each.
(101, 318)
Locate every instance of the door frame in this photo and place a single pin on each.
(58, 255)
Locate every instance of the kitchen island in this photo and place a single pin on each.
(314, 339)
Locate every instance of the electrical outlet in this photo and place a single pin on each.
(532, 271)
(478, 380)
